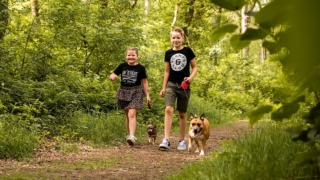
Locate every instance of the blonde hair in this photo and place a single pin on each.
(132, 49)
(179, 30)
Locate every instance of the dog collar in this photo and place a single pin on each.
(153, 132)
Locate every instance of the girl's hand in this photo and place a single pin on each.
(162, 92)
(148, 102)
(113, 77)
(187, 79)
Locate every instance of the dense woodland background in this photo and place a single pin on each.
(255, 58)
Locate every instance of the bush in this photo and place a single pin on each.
(16, 141)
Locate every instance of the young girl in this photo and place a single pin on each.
(130, 95)
(177, 69)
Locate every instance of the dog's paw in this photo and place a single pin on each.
(189, 148)
(201, 153)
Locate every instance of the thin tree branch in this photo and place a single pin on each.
(26, 44)
(175, 15)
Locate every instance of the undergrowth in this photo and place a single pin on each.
(267, 153)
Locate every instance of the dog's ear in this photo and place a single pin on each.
(202, 117)
(191, 117)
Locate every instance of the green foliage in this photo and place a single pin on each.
(237, 87)
(237, 43)
(54, 68)
(232, 5)
(279, 25)
(70, 35)
(218, 33)
(97, 128)
(266, 153)
(254, 34)
(17, 141)
(287, 110)
(257, 114)
(279, 16)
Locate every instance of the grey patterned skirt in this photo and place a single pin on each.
(130, 97)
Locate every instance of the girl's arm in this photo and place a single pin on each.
(165, 78)
(146, 89)
(194, 71)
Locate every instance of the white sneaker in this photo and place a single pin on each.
(165, 145)
(182, 145)
(131, 140)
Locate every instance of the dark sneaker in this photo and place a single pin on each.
(165, 145)
(182, 145)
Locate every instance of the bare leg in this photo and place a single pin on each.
(183, 123)
(127, 121)
(132, 121)
(168, 121)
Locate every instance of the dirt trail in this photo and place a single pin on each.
(143, 161)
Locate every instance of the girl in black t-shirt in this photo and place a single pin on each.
(130, 95)
(177, 69)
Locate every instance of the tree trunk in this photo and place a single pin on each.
(217, 19)
(189, 16)
(263, 53)
(4, 16)
(26, 45)
(104, 3)
(190, 13)
(245, 20)
(147, 6)
(34, 8)
(134, 3)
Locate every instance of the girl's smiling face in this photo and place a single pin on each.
(176, 39)
(131, 57)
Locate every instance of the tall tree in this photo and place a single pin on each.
(104, 3)
(263, 52)
(34, 8)
(217, 18)
(245, 21)
(147, 6)
(190, 12)
(4, 16)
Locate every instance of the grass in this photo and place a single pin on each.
(96, 129)
(57, 169)
(15, 141)
(268, 153)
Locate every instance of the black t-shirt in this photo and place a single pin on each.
(131, 75)
(179, 62)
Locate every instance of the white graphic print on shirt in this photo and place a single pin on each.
(178, 62)
(129, 76)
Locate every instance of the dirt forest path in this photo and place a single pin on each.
(143, 161)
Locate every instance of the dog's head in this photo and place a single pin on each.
(196, 125)
(151, 129)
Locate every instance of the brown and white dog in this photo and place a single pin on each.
(199, 130)
(152, 133)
